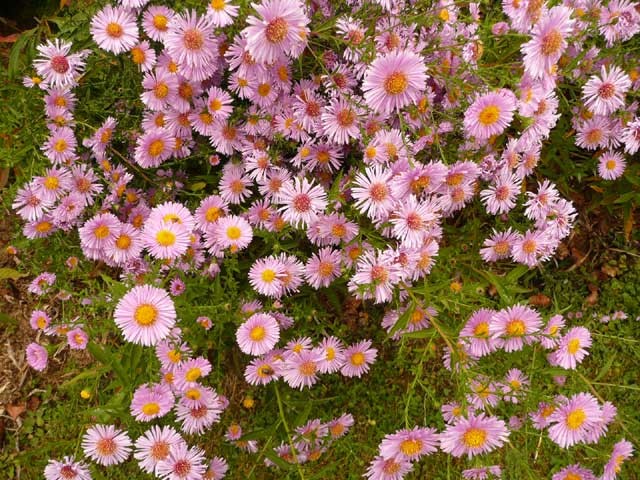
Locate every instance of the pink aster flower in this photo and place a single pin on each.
(548, 42)
(551, 333)
(530, 248)
(37, 356)
(358, 358)
(473, 435)
(165, 240)
(144, 56)
(605, 94)
(155, 21)
(302, 201)
(160, 89)
(413, 220)
(232, 232)
(394, 80)
(282, 29)
(573, 420)
(622, 451)
(476, 333)
(200, 417)
(266, 276)
(489, 114)
(190, 372)
(515, 326)
(60, 146)
(258, 334)
(409, 444)
(340, 121)
(154, 147)
(388, 469)
(301, 370)
(375, 277)
(372, 192)
(222, 12)
(39, 320)
(127, 246)
(574, 472)
(217, 469)
(67, 469)
(106, 445)
(323, 267)
(115, 29)
(611, 165)
(77, 339)
(501, 196)
(145, 315)
(30, 204)
(631, 136)
(154, 445)
(41, 283)
(261, 371)
(482, 473)
(572, 348)
(182, 463)
(151, 401)
(192, 44)
(56, 66)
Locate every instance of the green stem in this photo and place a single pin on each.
(286, 427)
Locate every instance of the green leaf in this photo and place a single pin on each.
(605, 368)
(426, 333)
(6, 273)
(16, 52)
(271, 455)
(403, 321)
(195, 187)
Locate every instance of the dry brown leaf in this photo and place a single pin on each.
(592, 298)
(610, 270)
(15, 410)
(539, 300)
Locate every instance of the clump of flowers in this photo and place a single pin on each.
(336, 159)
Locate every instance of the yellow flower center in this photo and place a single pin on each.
(516, 328)
(277, 30)
(43, 227)
(193, 394)
(489, 115)
(160, 22)
(151, 408)
(145, 315)
(217, 5)
(193, 374)
(60, 146)
(264, 89)
(481, 330)
(174, 356)
(156, 148)
(233, 233)
(576, 418)
(474, 437)
(411, 447)
(551, 43)
(357, 359)
(101, 232)
(165, 238)
(268, 275)
(396, 83)
(257, 333)
(123, 242)
(138, 56)
(215, 105)
(573, 346)
(114, 30)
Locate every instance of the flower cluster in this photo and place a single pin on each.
(333, 156)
